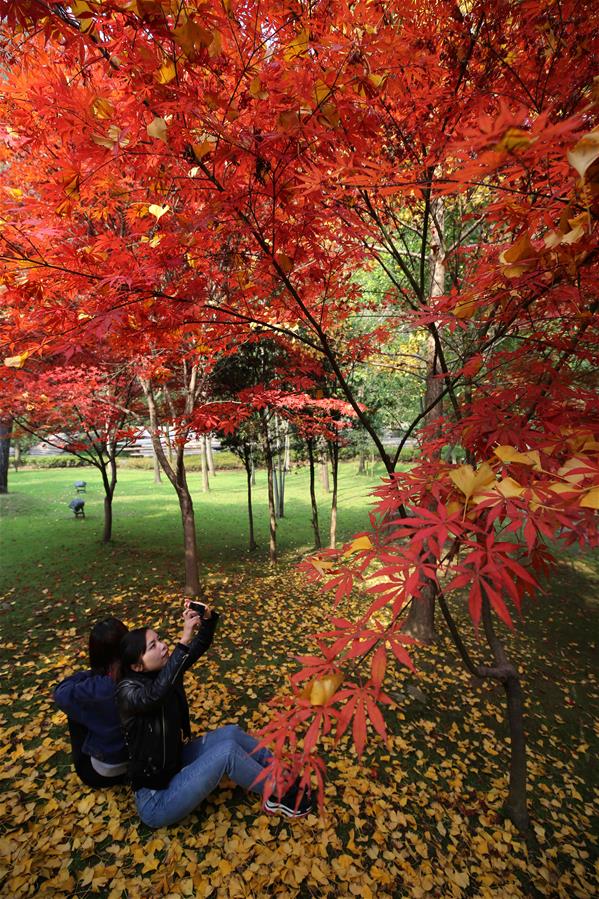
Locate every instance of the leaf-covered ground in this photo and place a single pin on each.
(420, 817)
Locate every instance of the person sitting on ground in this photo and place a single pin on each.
(170, 776)
(88, 698)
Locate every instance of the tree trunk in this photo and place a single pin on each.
(109, 488)
(253, 472)
(315, 528)
(362, 461)
(178, 478)
(204, 460)
(210, 455)
(5, 433)
(272, 515)
(279, 471)
(157, 475)
(107, 534)
(516, 807)
(324, 470)
(421, 617)
(248, 469)
(16, 459)
(192, 584)
(334, 452)
(275, 488)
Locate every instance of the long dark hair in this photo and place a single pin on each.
(104, 641)
(132, 648)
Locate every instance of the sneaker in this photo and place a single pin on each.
(288, 805)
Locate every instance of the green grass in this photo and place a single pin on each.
(48, 555)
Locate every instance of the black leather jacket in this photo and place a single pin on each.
(155, 715)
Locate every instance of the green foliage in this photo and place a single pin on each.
(58, 461)
(223, 461)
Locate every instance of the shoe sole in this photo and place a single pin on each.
(285, 810)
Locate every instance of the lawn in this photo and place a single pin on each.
(419, 817)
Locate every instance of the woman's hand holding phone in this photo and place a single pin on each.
(192, 618)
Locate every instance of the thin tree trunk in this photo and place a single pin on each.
(421, 617)
(517, 804)
(248, 470)
(157, 475)
(272, 515)
(324, 470)
(5, 434)
(16, 459)
(107, 534)
(192, 584)
(210, 455)
(334, 452)
(204, 460)
(109, 488)
(275, 488)
(178, 478)
(516, 807)
(362, 461)
(287, 462)
(253, 472)
(315, 528)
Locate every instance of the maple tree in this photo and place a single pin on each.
(243, 161)
(90, 411)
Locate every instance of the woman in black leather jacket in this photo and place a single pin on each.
(170, 773)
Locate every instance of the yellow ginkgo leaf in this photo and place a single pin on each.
(585, 152)
(158, 211)
(469, 481)
(510, 454)
(321, 565)
(514, 139)
(102, 108)
(591, 499)
(298, 46)
(166, 72)
(320, 690)
(16, 361)
(363, 542)
(509, 487)
(571, 469)
(83, 14)
(257, 90)
(157, 128)
(519, 258)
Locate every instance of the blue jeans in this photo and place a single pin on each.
(205, 761)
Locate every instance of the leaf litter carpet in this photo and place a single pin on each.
(418, 817)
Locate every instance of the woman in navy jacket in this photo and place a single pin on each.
(88, 698)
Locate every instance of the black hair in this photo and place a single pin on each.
(104, 641)
(132, 648)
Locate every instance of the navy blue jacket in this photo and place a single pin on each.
(90, 699)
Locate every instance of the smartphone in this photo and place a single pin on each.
(198, 607)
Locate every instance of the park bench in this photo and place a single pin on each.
(80, 486)
(78, 507)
